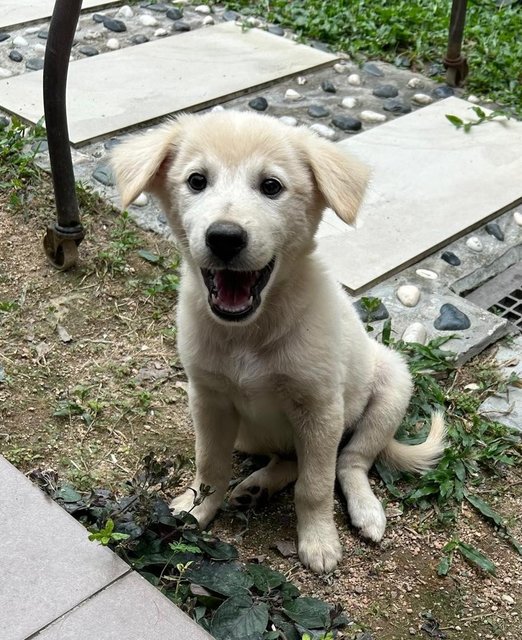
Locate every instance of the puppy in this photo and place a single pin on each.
(277, 360)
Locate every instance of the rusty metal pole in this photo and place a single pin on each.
(456, 65)
(63, 237)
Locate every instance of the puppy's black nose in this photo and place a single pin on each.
(226, 239)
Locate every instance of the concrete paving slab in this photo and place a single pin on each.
(120, 89)
(131, 608)
(14, 13)
(430, 185)
(48, 564)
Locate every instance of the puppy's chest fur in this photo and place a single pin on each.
(252, 383)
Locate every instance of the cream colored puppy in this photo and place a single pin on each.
(277, 360)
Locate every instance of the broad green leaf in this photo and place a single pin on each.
(68, 494)
(308, 612)
(238, 618)
(477, 558)
(226, 579)
(485, 509)
(265, 578)
(444, 565)
(481, 114)
(149, 256)
(455, 120)
(218, 550)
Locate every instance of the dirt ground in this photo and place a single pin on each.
(90, 383)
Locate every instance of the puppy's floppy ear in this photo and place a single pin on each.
(140, 162)
(340, 177)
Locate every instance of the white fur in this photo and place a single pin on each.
(301, 371)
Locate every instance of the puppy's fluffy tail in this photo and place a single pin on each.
(418, 457)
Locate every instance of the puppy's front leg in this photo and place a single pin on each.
(318, 432)
(216, 424)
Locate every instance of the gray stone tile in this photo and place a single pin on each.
(132, 609)
(430, 184)
(47, 563)
(120, 89)
(16, 12)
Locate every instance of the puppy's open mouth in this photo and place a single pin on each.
(234, 295)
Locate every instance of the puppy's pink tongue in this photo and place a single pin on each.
(234, 288)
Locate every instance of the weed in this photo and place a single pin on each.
(123, 239)
(199, 572)
(482, 118)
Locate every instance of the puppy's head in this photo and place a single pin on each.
(243, 194)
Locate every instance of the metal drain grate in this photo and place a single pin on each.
(510, 307)
(502, 295)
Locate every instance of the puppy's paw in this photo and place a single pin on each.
(368, 516)
(320, 550)
(247, 494)
(185, 502)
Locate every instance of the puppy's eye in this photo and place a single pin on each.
(197, 181)
(271, 187)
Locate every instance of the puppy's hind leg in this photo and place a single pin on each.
(385, 410)
(264, 482)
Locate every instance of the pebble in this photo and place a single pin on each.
(113, 44)
(348, 102)
(259, 104)
(340, 68)
(301, 80)
(507, 598)
(318, 111)
(493, 228)
(292, 95)
(415, 332)
(31, 30)
(176, 14)
(289, 120)
(415, 83)
(422, 98)
(111, 143)
(160, 33)
(43, 34)
(451, 319)
(4, 36)
(372, 116)
(443, 91)
(35, 64)
(427, 274)
(103, 174)
(16, 56)
(322, 46)
(354, 79)
(139, 38)
(202, 8)
(409, 295)
(118, 26)
(5, 73)
(373, 70)
(231, 16)
(396, 105)
(218, 107)
(158, 7)
(473, 99)
(98, 17)
(385, 91)
(323, 130)
(381, 312)
(347, 123)
(180, 25)
(276, 30)
(20, 41)
(328, 86)
(474, 244)
(4, 122)
(402, 61)
(124, 12)
(208, 20)
(39, 48)
(141, 201)
(87, 50)
(450, 258)
(517, 217)
(148, 21)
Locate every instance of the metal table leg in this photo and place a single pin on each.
(456, 65)
(63, 237)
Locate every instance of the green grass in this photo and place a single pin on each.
(382, 30)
